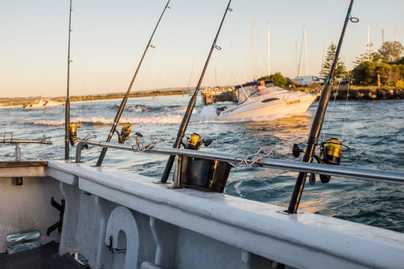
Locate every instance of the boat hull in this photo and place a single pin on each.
(268, 108)
(117, 220)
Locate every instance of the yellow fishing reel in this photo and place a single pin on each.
(331, 152)
(195, 141)
(126, 132)
(73, 132)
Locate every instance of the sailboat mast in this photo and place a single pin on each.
(126, 97)
(297, 49)
(301, 55)
(369, 45)
(306, 53)
(319, 118)
(67, 101)
(269, 56)
(302, 68)
(192, 101)
(253, 44)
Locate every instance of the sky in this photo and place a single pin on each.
(109, 37)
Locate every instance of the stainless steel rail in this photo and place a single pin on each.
(295, 166)
(18, 142)
(25, 141)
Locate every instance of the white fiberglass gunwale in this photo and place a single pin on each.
(303, 240)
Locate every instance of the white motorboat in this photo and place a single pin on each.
(267, 104)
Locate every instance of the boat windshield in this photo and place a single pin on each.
(245, 93)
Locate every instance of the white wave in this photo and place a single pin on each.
(163, 120)
(208, 113)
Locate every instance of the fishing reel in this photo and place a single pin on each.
(73, 133)
(331, 152)
(125, 133)
(200, 173)
(195, 142)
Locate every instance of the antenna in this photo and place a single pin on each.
(126, 97)
(192, 101)
(67, 101)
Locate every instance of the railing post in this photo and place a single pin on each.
(79, 148)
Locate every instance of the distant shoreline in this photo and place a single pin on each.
(353, 93)
(362, 93)
(21, 101)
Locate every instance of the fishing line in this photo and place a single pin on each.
(331, 116)
(346, 107)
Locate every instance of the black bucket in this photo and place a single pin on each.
(205, 175)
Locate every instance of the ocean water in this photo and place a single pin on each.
(374, 132)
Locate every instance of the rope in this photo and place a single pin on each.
(140, 145)
(253, 159)
(249, 162)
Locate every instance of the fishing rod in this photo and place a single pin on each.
(126, 97)
(319, 117)
(192, 102)
(67, 102)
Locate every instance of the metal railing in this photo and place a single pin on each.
(8, 139)
(288, 165)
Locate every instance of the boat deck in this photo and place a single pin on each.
(45, 257)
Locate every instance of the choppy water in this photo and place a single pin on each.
(373, 130)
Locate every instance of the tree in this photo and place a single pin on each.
(279, 80)
(374, 57)
(368, 73)
(385, 66)
(400, 61)
(364, 73)
(340, 72)
(391, 51)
